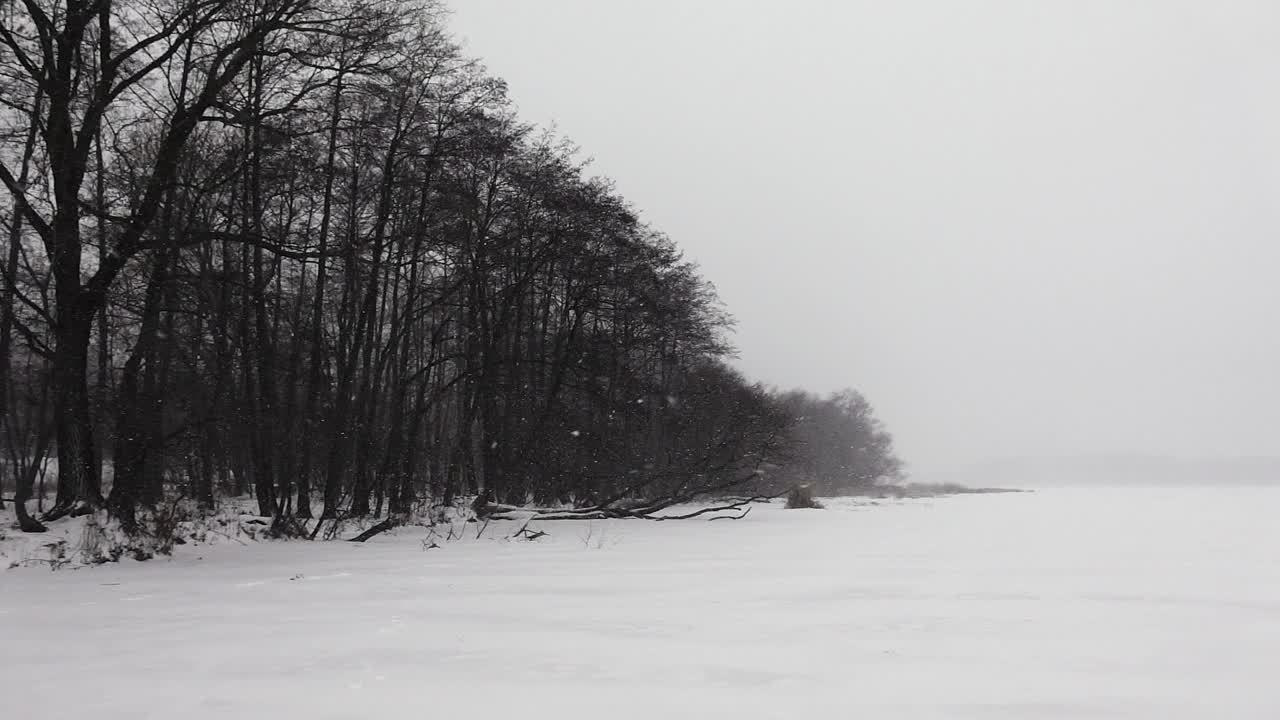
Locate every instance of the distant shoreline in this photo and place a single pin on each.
(926, 490)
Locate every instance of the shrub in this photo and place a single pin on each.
(801, 497)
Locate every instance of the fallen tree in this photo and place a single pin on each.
(488, 510)
(389, 524)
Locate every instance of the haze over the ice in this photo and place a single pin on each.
(1021, 229)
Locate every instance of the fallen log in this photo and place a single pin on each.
(645, 512)
(385, 525)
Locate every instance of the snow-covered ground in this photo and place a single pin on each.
(1057, 604)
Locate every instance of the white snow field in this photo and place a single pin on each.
(1073, 604)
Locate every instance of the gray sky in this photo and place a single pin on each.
(1020, 228)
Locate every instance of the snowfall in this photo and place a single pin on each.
(1099, 603)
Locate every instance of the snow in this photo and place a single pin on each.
(1056, 604)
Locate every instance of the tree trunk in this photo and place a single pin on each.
(315, 374)
(79, 486)
(138, 402)
(26, 480)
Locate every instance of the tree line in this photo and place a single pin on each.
(305, 250)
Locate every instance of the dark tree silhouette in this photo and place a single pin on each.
(304, 250)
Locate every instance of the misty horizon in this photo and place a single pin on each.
(1112, 470)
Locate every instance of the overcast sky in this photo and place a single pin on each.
(1020, 228)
